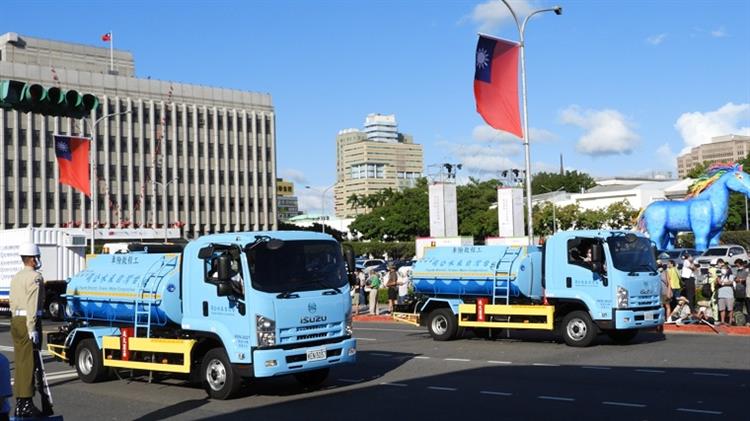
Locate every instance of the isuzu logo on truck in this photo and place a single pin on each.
(312, 319)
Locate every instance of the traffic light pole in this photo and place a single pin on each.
(94, 182)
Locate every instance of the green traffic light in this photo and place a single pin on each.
(10, 93)
(54, 101)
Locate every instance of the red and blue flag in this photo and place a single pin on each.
(73, 161)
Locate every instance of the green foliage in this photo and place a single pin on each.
(571, 181)
(396, 250)
(618, 215)
(476, 215)
(399, 216)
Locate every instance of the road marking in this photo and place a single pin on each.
(698, 373)
(589, 367)
(633, 405)
(394, 384)
(556, 398)
(499, 362)
(365, 339)
(699, 411)
(350, 380)
(446, 389)
(59, 375)
(491, 392)
(464, 360)
(10, 349)
(421, 357)
(643, 370)
(377, 354)
(545, 365)
(375, 329)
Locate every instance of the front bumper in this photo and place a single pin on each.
(276, 362)
(637, 318)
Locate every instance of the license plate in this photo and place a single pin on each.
(647, 316)
(316, 354)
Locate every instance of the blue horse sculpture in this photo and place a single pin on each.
(704, 211)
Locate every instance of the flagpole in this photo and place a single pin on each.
(527, 151)
(111, 52)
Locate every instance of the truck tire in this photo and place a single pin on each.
(218, 376)
(442, 324)
(312, 378)
(622, 337)
(578, 330)
(89, 362)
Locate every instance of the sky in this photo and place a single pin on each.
(619, 88)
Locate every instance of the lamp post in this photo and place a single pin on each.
(323, 205)
(554, 217)
(164, 187)
(521, 29)
(94, 181)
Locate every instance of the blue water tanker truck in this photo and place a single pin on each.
(579, 284)
(226, 307)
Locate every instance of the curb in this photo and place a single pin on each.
(668, 328)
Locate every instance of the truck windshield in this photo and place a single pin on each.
(632, 254)
(297, 266)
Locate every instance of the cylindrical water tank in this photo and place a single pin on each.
(478, 271)
(111, 284)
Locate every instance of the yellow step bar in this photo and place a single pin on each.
(467, 312)
(410, 318)
(156, 345)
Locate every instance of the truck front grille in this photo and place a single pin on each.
(310, 333)
(644, 300)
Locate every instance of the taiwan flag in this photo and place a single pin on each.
(73, 160)
(496, 84)
(107, 37)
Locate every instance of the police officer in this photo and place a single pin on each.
(26, 293)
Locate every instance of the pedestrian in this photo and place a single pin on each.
(674, 281)
(362, 281)
(681, 312)
(374, 282)
(403, 284)
(666, 290)
(740, 290)
(26, 291)
(725, 294)
(355, 292)
(688, 278)
(392, 284)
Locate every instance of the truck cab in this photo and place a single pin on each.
(602, 281)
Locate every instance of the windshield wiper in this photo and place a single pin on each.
(319, 281)
(288, 294)
(650, 268)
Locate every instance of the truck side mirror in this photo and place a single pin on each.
(223, 289)
(597, 253)
(350, 264)
(224, 267)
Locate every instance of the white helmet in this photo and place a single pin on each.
(29, 249)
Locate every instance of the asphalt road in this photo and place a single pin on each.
(403, 374)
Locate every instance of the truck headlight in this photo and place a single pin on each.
(348, 324)
(622, 297)
(265, 328)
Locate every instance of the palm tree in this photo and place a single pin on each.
(354, 201)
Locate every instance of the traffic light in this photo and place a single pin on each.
(54, 101)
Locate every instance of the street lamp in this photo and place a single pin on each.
(323, 206)
(521, 29)
(94, 182)
(164, 187)
(554, 216)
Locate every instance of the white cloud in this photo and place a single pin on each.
(656, 39)
(296, 176)
(697, 128)
(485, 133)
(719, 32)
(309, 199)
(606, 132)
(664, 153)
(493, 13)
(540, 166)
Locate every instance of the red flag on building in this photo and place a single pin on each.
(73, 160)
(496, 84)
(107, 37)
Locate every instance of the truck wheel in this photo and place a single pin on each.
(56, 309)
(622, 337)
(442, 324)
(218, 376)
(312, 378)
(89, 362)
(578, 330)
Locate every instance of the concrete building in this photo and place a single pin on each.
(218, 145)
(286, 202)
(373, 159)
(721, 149)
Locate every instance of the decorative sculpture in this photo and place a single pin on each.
(704, 211)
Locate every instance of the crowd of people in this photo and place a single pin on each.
(723, 288)
(369, 282)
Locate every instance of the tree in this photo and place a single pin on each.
(354, 201)
(395, 215)
(476, 215)
(571, 181)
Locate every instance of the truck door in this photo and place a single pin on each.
(581, 282)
